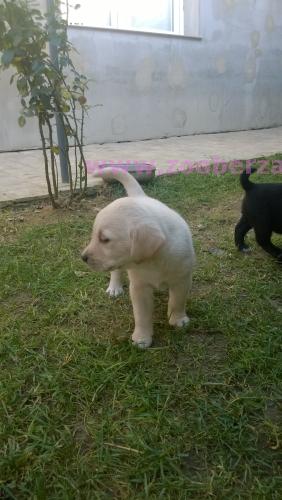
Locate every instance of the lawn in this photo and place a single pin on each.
(85, 415)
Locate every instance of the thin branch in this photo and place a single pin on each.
(78, 144)
(53, 166)
(46, 163)
(81, 141)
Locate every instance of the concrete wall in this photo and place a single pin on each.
(152, 86)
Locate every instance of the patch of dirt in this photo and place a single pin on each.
(212, 353)
(14, 220)
(276, 303)
(83, 438)
(218, 252)
(193, 464)
(200, 289)
(24, 298)
(20, 301)
(273, 412)
(215, 344)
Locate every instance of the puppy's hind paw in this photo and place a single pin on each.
(179, 322)
(245, 249)
(114, 291)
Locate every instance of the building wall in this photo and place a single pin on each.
(150, 86)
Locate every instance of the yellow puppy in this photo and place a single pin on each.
(153, 243)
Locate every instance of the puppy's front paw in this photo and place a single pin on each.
(114, 291)
(179, 321)
(142, 341)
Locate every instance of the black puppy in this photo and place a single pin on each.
(261, 210)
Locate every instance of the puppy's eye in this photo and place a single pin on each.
(104, 239)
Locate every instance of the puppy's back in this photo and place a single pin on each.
(263, 205)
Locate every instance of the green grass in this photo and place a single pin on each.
(83, 414)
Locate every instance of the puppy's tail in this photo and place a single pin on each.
(129, 183)
(246, 184)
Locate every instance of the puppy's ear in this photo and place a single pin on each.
(145, 241)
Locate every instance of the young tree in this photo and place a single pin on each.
(50, 90)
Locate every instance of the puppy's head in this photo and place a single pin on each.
(121, 236)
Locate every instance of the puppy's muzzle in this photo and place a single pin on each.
(95, 264)
(84, 257)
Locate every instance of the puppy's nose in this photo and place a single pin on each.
(84, 257)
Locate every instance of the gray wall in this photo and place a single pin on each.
(150, 86)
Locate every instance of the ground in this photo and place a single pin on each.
(86, 415)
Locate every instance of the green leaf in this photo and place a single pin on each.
(2, 28)
(17, 39)
(8, 56)
(46, 101)
(37, 66)
(66, 94)
(30, 112)
(22, 86)
(36, 12)
(21, 121)
(65, 108)
(55, 150)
